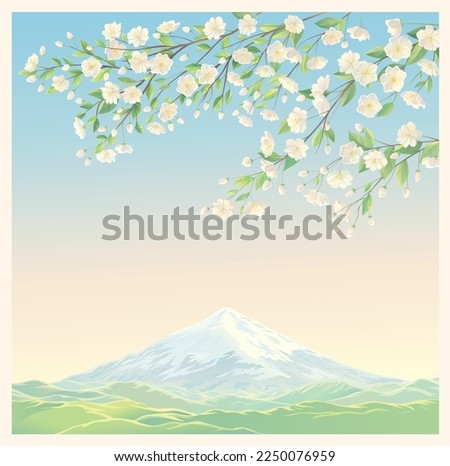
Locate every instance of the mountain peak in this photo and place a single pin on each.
(228, 352)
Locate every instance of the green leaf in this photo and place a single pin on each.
(166, 40)
(242, 197)
(97, 93)
(96, 125)
(260, 179)
(377, 52)
(268, 27)
(77, 80)
(217, 102)
(228, 97)
(362, 165)
(284, 127)
(289, 162)
(135, 110)
(330, 135)
(414, 32)
(343, 76)
(106, 108)
(367, 204)
(428, 84)
(274, 157)
(430, 150)
(417, 54)
(193, 67)
(329, 22)
(56, 61)
(348, 94)
(204, 47)
(243, 181)
(387, 170)
(126, 80)
(247, 74)
(402, 172)
(271, 93)
(78, 54)
(317, 138)
(241, 15)
(304, 63)
(46, 74)
(365, 140)
(386, 109)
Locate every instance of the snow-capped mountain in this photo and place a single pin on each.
(228, 352)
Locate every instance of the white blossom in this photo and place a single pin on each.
(138, 36)
(398, 48)
(296, 120)
(316, 63)
(276, 52)
(186, 85)
(393, 79)
(294, 24)
(428, 67)
(207, 74)
(375, 160)
(394, 26)
(365, 73)
(340, 179)
(112, 30)
(110, 92)
(428, 38)
(358, 33)
(408, 135)
(167, 27)
(350, 153)
(332, 36)
(223, 208)
(60, 83)
(161, 64)
(214, 28)
(413, 99)
(106, 156)
(348, 62)
(247, 25)
(296, 148)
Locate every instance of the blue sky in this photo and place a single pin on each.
(65, 275)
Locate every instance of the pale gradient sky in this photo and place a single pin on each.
(370, 302)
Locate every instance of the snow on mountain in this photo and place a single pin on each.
(228, 352)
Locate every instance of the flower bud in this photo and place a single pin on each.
(382, 192)
(157, 35)
(69, 35)
(42, 51)
(235, 113)
(81, 153)
(350, 193)
(350, 231)
(89, 48)
(65, 67)
(284, 98)
(256, 95)
(147, 109)
(196, 113)
(359, 127)
(300, 187)
(418, 176)
(32, 78)
(323, 170)
(204, 211)
(243, 91)
(224, 181)
(344, 44)
(180, 121)
(114, 133)
(220, 115)
(106, 77)
(122, 70)
(247, 162)
(266, 185)
(59, 44)
(206, 106)
(188, 102)
(70, 95)
(327, 126)
(102, 129)
(282, 189)
(222, 60)
(170, 127)
(184, 57)
(394, 156)
(406, 193)
(130, 128)
(40, 88)
(87, 162)
(371, 221)
(79, 101)
(186, 29)
(303, 173)
(328, 149)
(300, 98)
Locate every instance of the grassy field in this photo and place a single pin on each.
(135, 408)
